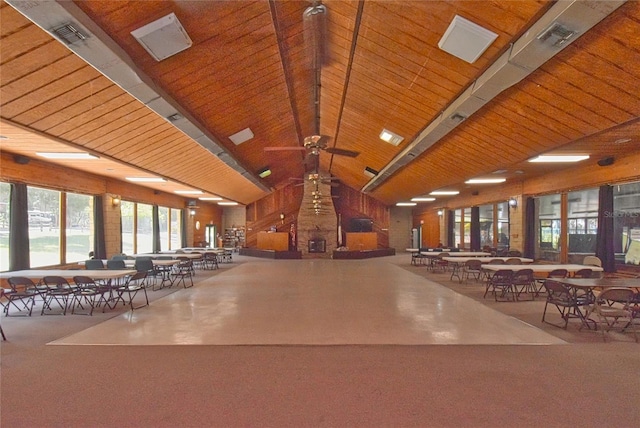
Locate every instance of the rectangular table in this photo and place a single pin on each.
(571, 268)
(586, 286)
(459, 262)
(96, 275)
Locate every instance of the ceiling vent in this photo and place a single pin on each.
(466, 40)
(556, 35)
(163, 37)
(69, 33)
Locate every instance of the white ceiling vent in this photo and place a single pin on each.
(466, 40)
(70, 33)
(163, 37)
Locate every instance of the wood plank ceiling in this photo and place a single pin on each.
(249, 66)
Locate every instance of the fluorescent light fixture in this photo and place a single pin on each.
(146, 179)
(390, 137)
(212, 198)
(444, 193)
(241, 136)
(466, 40)
(188, 192)
(163, 37)
(228, 203)
(264, 172)
(486, 180)
(68, 155)
(559, 158)
(423, 199)
(406, 204)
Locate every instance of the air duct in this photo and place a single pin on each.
(560, 26)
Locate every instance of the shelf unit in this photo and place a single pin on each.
(234, 237)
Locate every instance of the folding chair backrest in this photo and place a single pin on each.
(558, 273)
(523, 275)
(115, 264)
(496, 262)
(592, 261)
(57, 281)
(84, 281)
(19, 283)
(583, 273)
(513, 261)
(94, 264)
(615, 294)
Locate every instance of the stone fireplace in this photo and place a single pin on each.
(317, 233)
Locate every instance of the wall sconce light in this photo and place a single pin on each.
(421, 222)
(282, 218)
(440, 212)
(192, 212)
(513, 202)
(115, 201)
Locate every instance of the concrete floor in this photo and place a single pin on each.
(313, 302)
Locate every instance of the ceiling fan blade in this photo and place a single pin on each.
(283, 149)
(341, 152)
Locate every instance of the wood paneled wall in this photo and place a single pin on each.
(351, 203)
(51, 176)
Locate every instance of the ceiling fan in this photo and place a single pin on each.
(314, 144)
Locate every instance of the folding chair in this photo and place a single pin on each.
(59, 290)
(22, 290)
(135, 283)
(182, 272)
(500, 281)
(87, 290)
(567, 304)
(613, 308)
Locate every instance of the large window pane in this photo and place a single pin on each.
(44, 226)
(486, 225)
(163, 217)
(176, 223)
(127, 216)
(5, 191)
(503, 226)
(626, 213)
(582, 224)
(456, 228)
(548, 220)
(467, 228)
(144, 228)
(79, 229)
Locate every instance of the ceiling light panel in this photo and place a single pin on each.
(466, 40)
(486, 180)
(188, 192)
(146, 179)
(241, 136)
(559, 158)
(163, 37)
(67, 155)
(444, 193)
(390, 137)
(423, 199)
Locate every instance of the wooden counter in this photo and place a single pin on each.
(360, 241)
(277, 241)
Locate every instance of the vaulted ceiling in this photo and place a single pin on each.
(249, 66)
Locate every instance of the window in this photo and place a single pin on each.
(486, 225)
(144, 228)
(163, 219)
(79, 230)
(503, 226)
(582, 224)
(44, 226)
(456, 228)
(5, 192)
(176, 229)
(626, 219)
(548, 216)
(127, 211)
